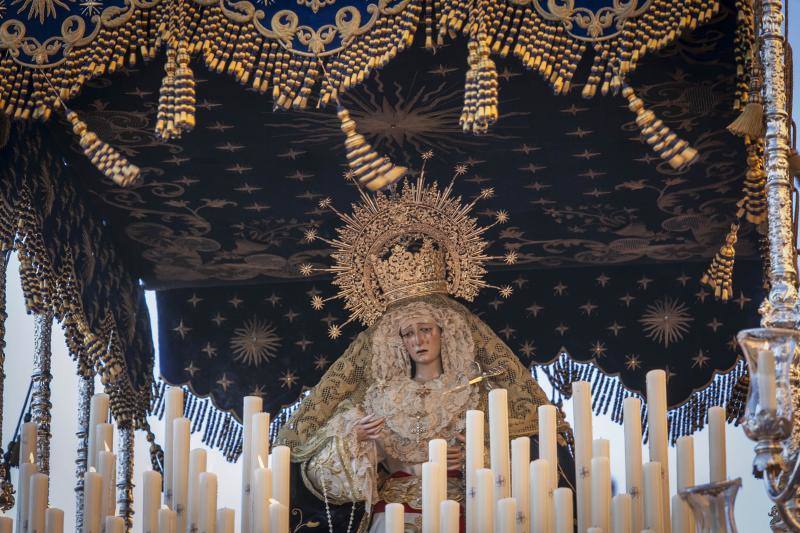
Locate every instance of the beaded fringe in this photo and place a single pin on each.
(222, 430)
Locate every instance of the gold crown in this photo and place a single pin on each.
(375, 258)
(405, 274)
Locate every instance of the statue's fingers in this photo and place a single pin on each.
(461, 438)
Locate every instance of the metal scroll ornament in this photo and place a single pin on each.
(584, 20)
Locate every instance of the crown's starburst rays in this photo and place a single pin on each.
(255, 342)
(373, 264)
(666, 321)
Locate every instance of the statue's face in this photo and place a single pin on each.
(422, 339)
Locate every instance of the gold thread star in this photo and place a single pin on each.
(502, 216)
(320, 362)
(309, 235)
(334, 331)
(181, 330)
(317, 303)
(528, 348)
(325, 203)
(511, 258)
(288, 379)
(460, 170)
(487, 193)
(306, 269)
(700, 360)
(427, 155)
(191, 369)
(632, 362)
(224, 382)
(506, 291)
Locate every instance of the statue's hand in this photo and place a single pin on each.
(369, 428)
(455, 454)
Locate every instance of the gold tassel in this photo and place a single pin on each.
(480, 95)
(750, 122)
(753, 206)
(660, 137)
(165, 118)
(369, 169)
(107, 160)
(719, 275)
(176, 101)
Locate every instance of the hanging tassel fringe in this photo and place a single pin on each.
(220, 430)
(719, 275)
(608, 394)
(753, 206)
(369, 169)
(661, 139)
(107, 160)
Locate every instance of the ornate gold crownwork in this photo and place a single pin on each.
(418, 241)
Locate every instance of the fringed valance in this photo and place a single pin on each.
(69, 267)
(294, 48)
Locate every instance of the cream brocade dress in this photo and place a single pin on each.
(374, 377)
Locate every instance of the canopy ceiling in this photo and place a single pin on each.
(229, 202)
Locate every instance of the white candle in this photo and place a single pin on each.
(507, 515)
(37, 502)
(173, 408)
(473, 463)
(197, 463)
(548, 449)
(595, 530)
(434, 477)
(395, 518)
(251, 406)
(653, 500)
(92, 501)
(437, 451)
(262, 492)
(717, 454)
(167, 521)
(562, 498)
(207, 521)
(621, 513)
(449, 516)
(151, 500)
(180, 469)
(632, 416)
(657, 435)
(601, 493)
(225, 520)
(98, 414)
(484, 481)
(541, 513)
(53, 520)
(6, 524)
(26, 471)
(280, 474)
(107, 467)
(278, 518)
(27, 443)
(521, 479)
(677, 517)
(114, 524)
(601, 448)
(498, 442)
(259, 447)
(582, 414)
(685, 453)
(766, 381)
(104, 440)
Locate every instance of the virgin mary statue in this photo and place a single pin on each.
(359, 438)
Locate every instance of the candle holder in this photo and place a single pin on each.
(712, 505)
(768, 414)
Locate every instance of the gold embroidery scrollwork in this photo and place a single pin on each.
(349, 23)
(594, 22)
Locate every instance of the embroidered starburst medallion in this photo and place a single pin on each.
(666, 321)
(255, 343)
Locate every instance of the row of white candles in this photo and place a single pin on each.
(531, 502)
(190, 492)
(33, 513)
